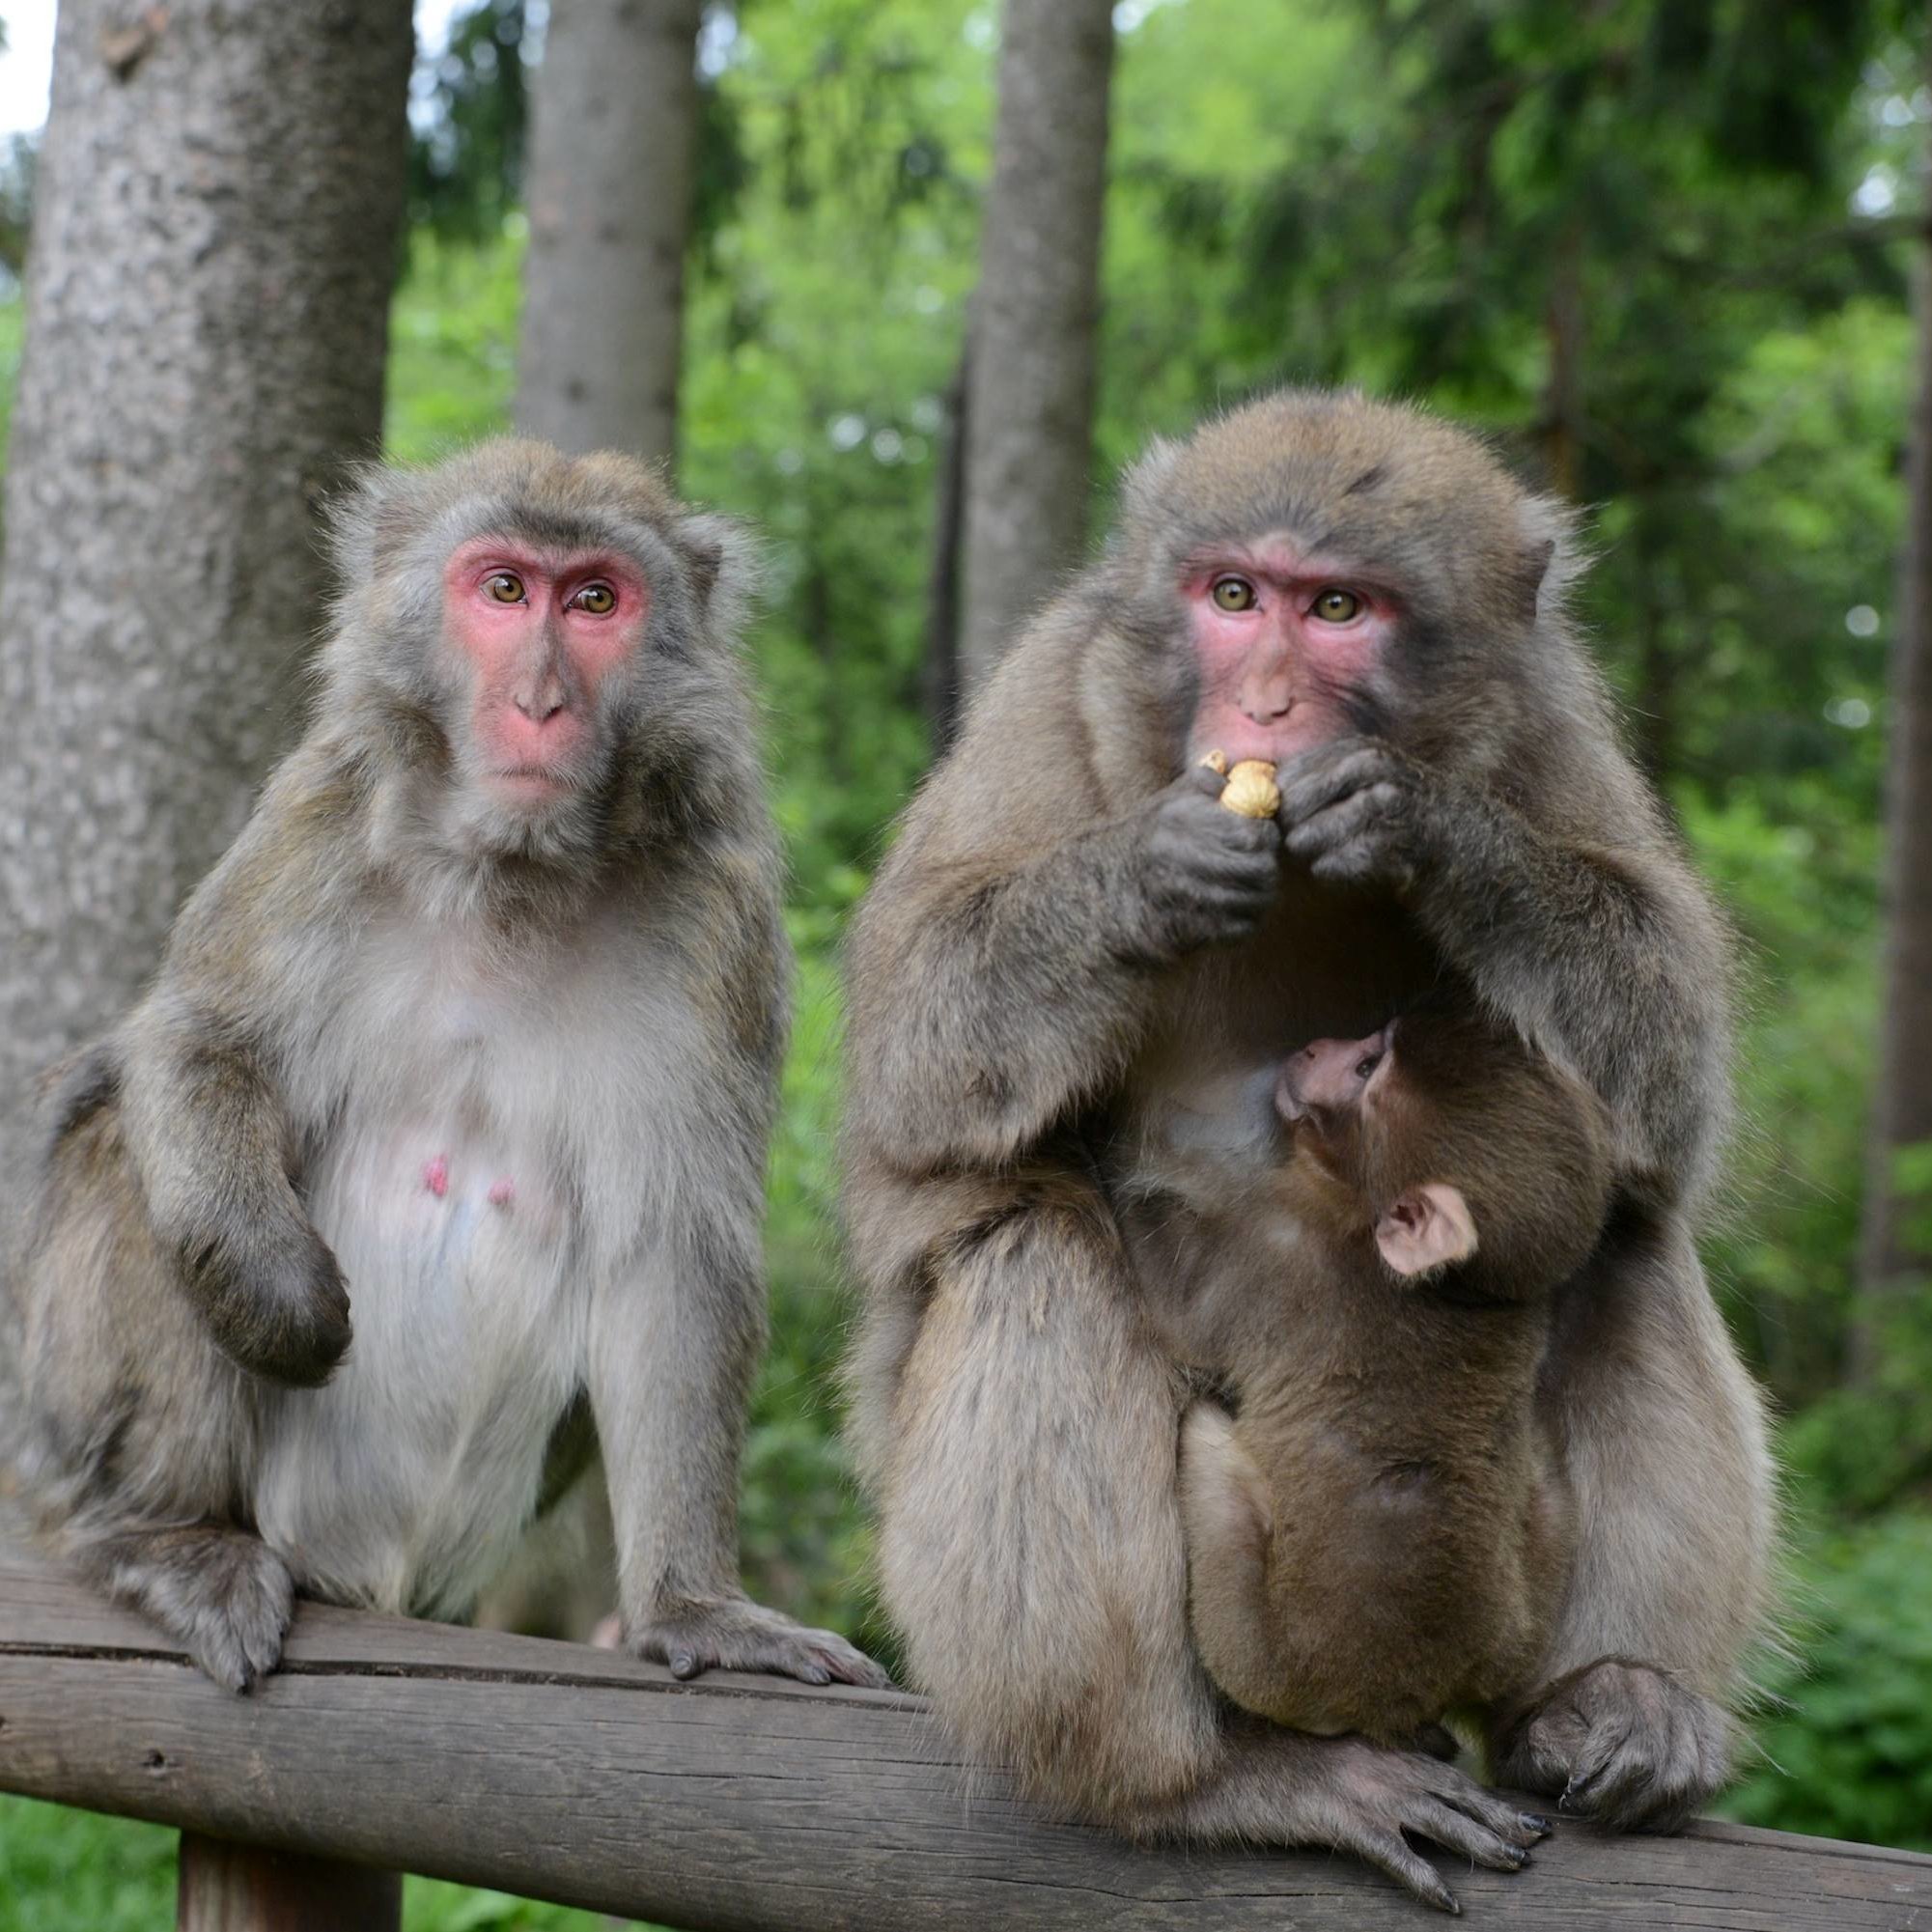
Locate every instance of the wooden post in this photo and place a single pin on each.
(229, 1888)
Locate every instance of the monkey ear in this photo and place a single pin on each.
(1427, 1228)
(1142, 488)
(1548, 556)
(724, 565)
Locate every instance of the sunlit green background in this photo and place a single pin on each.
(1410, 196)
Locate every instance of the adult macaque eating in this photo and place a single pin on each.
(1075, 965)
(434, 1154)
(1381, 1537)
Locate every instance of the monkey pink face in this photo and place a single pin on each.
(1332, 1077)
(542, 632)
(1280, 638)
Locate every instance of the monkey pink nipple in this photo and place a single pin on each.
(436, 1176)
(500, 1191)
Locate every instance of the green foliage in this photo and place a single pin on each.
(1623, 239)
(1849, 1752)
(471, 126)
(75, 1871)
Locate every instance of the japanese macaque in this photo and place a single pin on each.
(433, 1155)
(1382, 1537)
(1075, 963)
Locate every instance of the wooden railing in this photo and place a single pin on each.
(562, 1773)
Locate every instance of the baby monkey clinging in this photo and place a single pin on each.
(1382, 1537)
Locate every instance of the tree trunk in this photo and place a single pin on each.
(206, 311)
(1029, 425)
(1893, 1252)
(940, 682)
(614, 127)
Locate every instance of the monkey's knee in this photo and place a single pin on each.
(219, 1592)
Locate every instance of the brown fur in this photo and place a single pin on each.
(262, 1350)
(1035, 1003)
(1383, 1536)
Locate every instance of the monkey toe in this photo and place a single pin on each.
(740, 1635)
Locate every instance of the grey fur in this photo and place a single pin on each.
(260, 1343)
(1014, 1037)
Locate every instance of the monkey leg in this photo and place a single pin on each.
(219, 1591)
(1030, 1544)
(1229, 1524)
(1663, 1444)
(1032, 1550)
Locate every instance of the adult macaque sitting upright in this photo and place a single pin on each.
(1075, 959)
(434, 1154)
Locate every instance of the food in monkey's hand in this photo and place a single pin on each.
(1251, 789)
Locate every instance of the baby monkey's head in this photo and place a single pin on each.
(1453, 1145)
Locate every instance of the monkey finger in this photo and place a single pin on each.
(1374, 805)
(1390, 1852)
(1319, 778)
(1457, 1831)
(1496, 1815)
(1366, 860)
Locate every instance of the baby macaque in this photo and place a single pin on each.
(1382, 1535)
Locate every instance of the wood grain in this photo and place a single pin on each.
(229, 1888)
(572, 1774)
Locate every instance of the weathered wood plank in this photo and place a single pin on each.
(229, 1888)
(738, 1802)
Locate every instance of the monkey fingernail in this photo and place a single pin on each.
(1252, 790)
(1533, 1822)
(683, 1663)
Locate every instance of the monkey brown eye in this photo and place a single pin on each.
(595, 597)
(1233, 593)
(1337, 607)
(505, 586)
(1367, 1065)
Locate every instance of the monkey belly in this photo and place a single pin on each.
(406, 1482)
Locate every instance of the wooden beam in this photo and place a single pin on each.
(229, 1888)
(747, 1804)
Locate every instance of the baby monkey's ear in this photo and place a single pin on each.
(1427, 1228)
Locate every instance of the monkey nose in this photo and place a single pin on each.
(539, 706)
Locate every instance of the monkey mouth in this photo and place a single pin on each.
(532, 784)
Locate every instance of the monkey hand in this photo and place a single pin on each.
(735, 1634)
(1622, 1743)
(1355, 812)
(275, 1299)
(1203, 875)
(220, 1593)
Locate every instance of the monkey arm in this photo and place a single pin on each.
(1610, 960)
(1607, 955)
(676, 1334)
(205, 1117)
(986, 1004)
(215, 1155)
(1663, 1444)
(992, 994)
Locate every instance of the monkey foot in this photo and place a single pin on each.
(1622, 1743)
(736, 1634)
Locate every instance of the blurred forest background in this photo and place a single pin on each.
(1662, 249)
